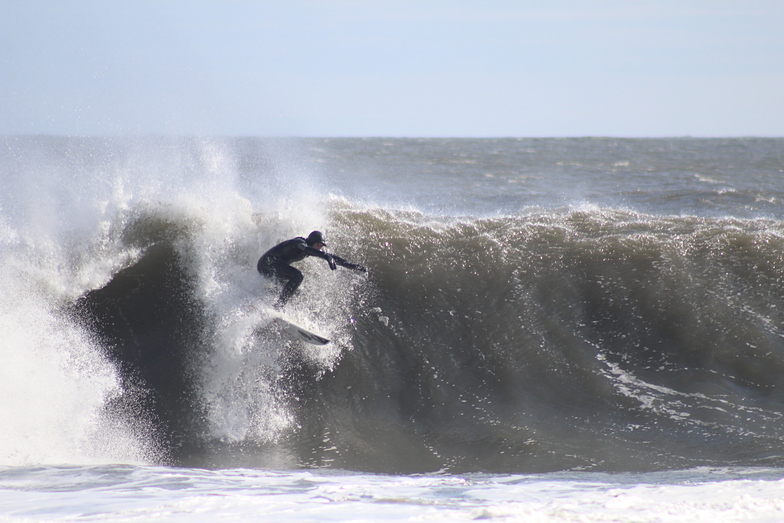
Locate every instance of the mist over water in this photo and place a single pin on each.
(532, 305)
(75, 213)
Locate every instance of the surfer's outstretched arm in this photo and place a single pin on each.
(348, 265)
(331, 259)
(311, 251)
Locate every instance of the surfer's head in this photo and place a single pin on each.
(315, 239)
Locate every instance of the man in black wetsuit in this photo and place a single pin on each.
(275, 262)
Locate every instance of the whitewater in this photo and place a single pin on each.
(583, 329)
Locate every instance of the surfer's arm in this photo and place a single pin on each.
(314, 252)
(333, 260)
(343, 263)
(310, 251)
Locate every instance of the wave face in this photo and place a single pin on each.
(575, 339)
(584, 337)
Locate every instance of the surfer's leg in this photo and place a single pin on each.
(293, 277)
(284, 275)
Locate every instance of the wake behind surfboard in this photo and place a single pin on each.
(299, 333)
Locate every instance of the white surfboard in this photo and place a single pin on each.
(298, 333)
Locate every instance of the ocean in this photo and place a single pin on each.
(576, 329)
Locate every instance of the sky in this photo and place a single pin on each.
(418, 68)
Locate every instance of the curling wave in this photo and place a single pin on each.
(587, 338)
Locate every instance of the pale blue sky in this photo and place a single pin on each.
(393, 68)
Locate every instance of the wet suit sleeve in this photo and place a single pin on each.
(310, 251)
(315, 252)
(332, 260)
(343, 263)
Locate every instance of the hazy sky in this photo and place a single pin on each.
(393, 67)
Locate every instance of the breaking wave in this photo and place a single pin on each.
(137, 329)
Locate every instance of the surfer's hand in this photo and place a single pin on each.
(331, 262)
(359, 268)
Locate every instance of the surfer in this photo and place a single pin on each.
(275, 263)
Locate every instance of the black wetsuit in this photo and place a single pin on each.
(275, 264)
